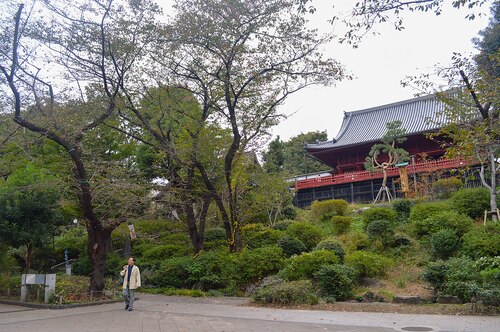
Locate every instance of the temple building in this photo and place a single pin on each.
(362, 129)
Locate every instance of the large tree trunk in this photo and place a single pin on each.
(196, 239)
(27, 258)
(97, 249)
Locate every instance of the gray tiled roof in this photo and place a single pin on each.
(417, 115)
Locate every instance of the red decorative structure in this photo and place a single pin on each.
(359, 131)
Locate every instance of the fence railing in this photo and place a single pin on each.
(420, 167)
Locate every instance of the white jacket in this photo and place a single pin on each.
(135, 278)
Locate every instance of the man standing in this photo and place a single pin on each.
(131, 281)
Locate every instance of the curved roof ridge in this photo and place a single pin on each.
(369, 124)
(391, 105)
(344, 126)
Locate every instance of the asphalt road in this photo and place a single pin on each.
(161, 313)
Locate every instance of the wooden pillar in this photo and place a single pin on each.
(393, 186)
(372, 190)
(333, 192)
(352, 192)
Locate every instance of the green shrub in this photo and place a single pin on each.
(488, 263)
(287, 292)
(444, 243)
(368, 264)
(443, 220)
(341, 224)
(469, 280)
(138, 249)
(305, 265)
(402, 208)
(211, 270)
(289, 212)
(162, 252)
(173, 272)
(291, 246)
(334, 246)
(174, 238)
(253, 265)
(7, 261)
(356, 240)
(482, 241)
(444, 188)
(81, 266)
(259, 235)
(379, 213)
(324, 210)
(381, 230)
(306, 232)
(423, 211)
(215, 234)
(8, 281)
(401, 240)
(463, 278)
(114, 264)
(472, 202)
(435, 274)
(490, 297)
(282, 225)
(336, 281)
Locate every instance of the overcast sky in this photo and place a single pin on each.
(378, 64)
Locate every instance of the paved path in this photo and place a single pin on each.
(174, 314)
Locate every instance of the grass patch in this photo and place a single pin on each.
(173, 291)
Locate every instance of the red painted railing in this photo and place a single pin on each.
(422, 167)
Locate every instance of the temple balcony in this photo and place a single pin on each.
(322, 179)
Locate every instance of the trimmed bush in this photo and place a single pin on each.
(444, 188)
(482, 241)
(381, 230)
(341, 224)
(354, 240)
(306, 232)
(259, 235)
(215, 234)
(336, 281)
(379, 213)
(210, 270)
(162, 252)
(324, 210)
(287, 292)
(173, 272)
(253, 265)
(443, 220)
(304, 266)
(472, 202)
(334, 246)
(403, 209)
(368, 264)
(423, 211)
(444, 244)
(291, 246)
